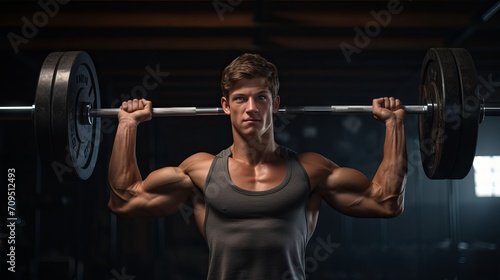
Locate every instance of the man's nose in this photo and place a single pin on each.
(251, 106)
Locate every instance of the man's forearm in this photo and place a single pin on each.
(391, 175)
(123, 170)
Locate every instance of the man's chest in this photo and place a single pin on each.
(260, 177)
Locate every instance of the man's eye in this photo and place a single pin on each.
(261, 97)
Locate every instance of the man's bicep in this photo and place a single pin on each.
(168, 188)
(167, 180)
(159, 194)
(347, 190)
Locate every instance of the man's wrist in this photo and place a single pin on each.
(128, 122)
(391, 122)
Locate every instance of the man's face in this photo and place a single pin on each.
(251, 107)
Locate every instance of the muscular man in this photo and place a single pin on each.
(260, 200)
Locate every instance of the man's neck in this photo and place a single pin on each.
(255, 151)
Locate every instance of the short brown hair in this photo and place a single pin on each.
(250, 66)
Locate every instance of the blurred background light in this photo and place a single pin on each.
(487, 176)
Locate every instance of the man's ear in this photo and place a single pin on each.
(225, 105)
(276, 104)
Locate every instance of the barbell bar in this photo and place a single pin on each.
(217, 111)
(67, 113)
(25, 112)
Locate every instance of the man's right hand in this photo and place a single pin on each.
(137, 111)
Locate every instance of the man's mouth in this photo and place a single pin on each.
(250, 120)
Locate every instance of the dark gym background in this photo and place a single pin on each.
(65, 230)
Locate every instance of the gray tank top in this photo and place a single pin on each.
(257, 235)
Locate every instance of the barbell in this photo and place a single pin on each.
(67, 113)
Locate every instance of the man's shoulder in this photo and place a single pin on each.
(303, 156)
(310, 156)
(315, 159)
(197, 161)
(201, 156)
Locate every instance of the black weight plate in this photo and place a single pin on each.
(470, 113)
(75, 142)
(439, 135)
(42, 112)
